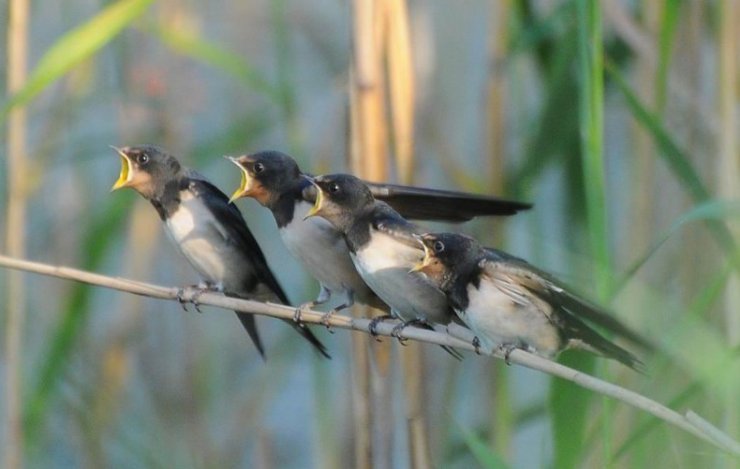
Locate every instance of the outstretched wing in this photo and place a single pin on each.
(421, 203)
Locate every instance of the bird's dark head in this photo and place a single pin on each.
(147, 169)
(340, 199)
(445, 254)
(265, 175)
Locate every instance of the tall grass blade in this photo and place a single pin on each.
(668, 21)
(709, 295)
(220, 58)
(711, 210)
(76, 46)
(570, 405)
(673, 155)
(99, 236)
(480, 450)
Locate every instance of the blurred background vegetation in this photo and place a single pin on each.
(616, 118)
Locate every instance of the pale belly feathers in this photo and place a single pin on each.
(497, 320)
(204, 242)
(322, 251)
(384, 263)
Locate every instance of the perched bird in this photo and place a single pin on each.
(275, 181)
(509, 304)
(208, 230)
(382, 248)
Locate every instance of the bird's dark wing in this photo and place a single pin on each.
(576, 330)
(387, 220)
(433, 204)
(523, 285)
(236, 227)
(551, 290)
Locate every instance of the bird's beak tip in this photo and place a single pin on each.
(124, 177)
(246, 185)
(318, 204)
(312, 213)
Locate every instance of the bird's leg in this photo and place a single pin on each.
(398, 330)
(326, 317)
(507, 349)
(181, 299)
(373, 326)
(199, 288)
(324, 295)
(204, 287)
(476, 344)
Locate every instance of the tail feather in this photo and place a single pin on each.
(272, 292)
(250, 325)
(596, 315)
(310, 337)
(581, 335)
(279, 296)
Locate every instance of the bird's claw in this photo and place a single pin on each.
(181, 299)
(398, 330)
(200, 289)
(198, 293)
(326, 320)
(373, 326)
(299, 311)
(476, 345)
(507, 349)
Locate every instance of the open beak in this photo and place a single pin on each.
(127, 173)
(247, 185)
(318, 204)
(427, 261)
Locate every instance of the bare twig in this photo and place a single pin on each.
(692, 424)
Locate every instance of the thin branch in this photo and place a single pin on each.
(690, 422)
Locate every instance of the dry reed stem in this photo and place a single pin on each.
(368, 159)
(17, 43)
(402, 102)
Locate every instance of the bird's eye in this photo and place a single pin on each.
(143, 158)
(439, 246)
(259, 167)
(333, 187)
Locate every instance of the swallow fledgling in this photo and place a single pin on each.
(276, 182)
(509, 304)
(383, 249)
(209, 231)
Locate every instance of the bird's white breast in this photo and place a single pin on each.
(497, 319)
(322, 250)
(384, 252)
(199, 236)
(384, 263)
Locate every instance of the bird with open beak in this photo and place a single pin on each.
(382, 248)
(509, 304)
(276, 182)
(208, 230)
